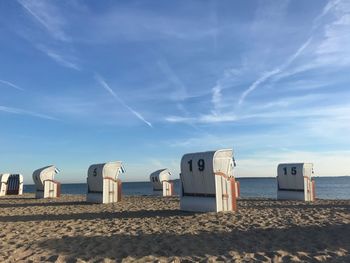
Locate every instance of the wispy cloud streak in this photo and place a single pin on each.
(9, 84)
(273, 72)
(328, 7)
(331, 49)
(47, 16)
(229, 79)
(180, 92)
(25, 112)
(104, 84)
(59, 58)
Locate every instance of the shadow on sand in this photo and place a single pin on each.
(94, 216)
(261, 204)
(312, 240)
(15, 197)
(47, 202)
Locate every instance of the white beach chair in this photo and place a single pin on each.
(160, 180)
(11, 184)
(103, 183)
(294, 181)
(45, 185)
(207, 182)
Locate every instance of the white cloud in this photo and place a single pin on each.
(330, 48)
(264, 164)
(104, 84)
(217, 96)
(327, 47)
(302, 106)
(179, 119)
(210, 118)
(229, 79)
(319, 127)
(334, 48)
(327, 8)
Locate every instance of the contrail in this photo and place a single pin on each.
(181, 91)
(108, 88)
(25, 112)
(10, 84)
(60, 59)
(271, 73)
(43, 13)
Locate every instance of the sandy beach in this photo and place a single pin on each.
(152, 229)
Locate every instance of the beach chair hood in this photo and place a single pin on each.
(42, 174)
(97, 172)
(158, 177)
(198, 170)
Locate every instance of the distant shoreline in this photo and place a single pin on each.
(240, 178)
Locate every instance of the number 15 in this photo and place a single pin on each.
(293, 170)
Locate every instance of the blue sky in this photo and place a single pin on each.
(145, 82)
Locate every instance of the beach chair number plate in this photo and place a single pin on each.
(293, 170)
(200, 164)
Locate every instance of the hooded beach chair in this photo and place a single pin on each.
(104, 186)
(45, 185)
(207, 182)
(11, 184)
(160, 181)
(294, 181)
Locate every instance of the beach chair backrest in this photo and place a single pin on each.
(158, 177)
(198, 171)
(13, 184)
(98, 172)
(43, 174)
(291, 176)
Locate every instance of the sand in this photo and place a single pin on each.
(152, 229)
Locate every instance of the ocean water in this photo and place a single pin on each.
(326, 188)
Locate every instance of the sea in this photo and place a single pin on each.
(326, 188)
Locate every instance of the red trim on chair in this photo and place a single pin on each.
(238, 189)
(221, 174)
(58, 189)
(233, 192)
(233, 189)
(112, 179)
(53, 181)
(119, 190)
(171, 188)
